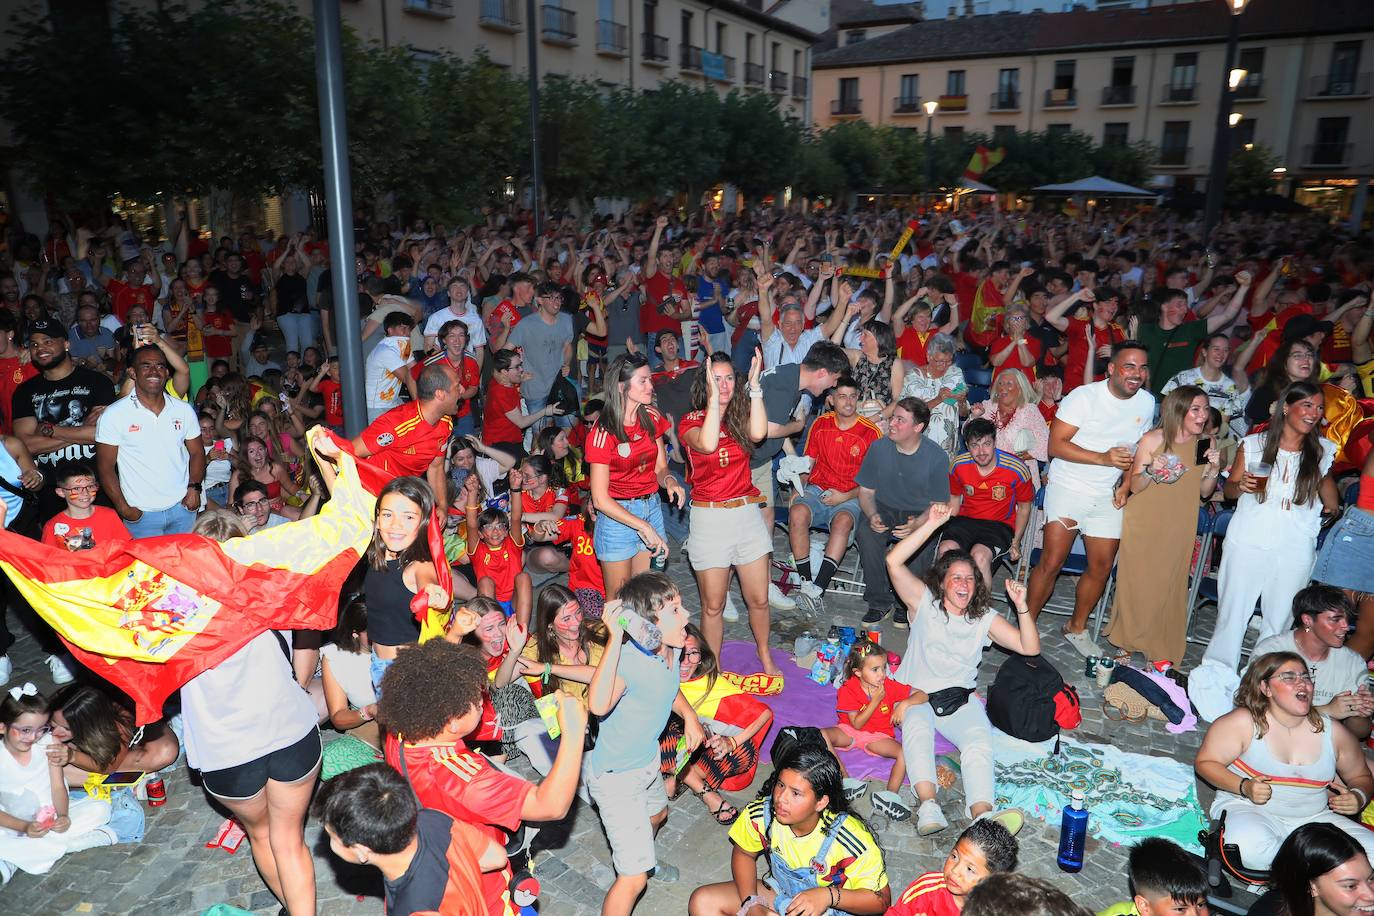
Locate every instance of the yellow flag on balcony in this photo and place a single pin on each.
(983, 159)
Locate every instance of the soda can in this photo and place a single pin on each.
(875, 637)
(658, 562)
(157, 792)
(1090, 666)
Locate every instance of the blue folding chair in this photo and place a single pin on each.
(1076, 564)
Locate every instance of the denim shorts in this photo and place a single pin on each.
(614, 541)
(821, 514)
(1346, 559)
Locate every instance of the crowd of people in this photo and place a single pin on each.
(949, 396)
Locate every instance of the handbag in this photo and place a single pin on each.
(26, 521)
(950, 700)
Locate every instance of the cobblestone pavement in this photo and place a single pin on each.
(172, 872)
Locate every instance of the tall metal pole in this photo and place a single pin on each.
(329, 85)
(1221, 142)
(536, 182)
(930, 164)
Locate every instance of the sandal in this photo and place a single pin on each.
(725, 815)
(1114, 713)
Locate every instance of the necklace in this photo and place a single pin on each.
(997, 419)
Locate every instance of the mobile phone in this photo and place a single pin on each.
(1202, 446)
(124, 777)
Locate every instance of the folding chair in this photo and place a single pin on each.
(1076, 564)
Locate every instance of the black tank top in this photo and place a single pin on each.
(389, 620)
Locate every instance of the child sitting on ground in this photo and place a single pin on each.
(1164, 881)
(429, 861)
(986, 847)
(867, 706)
(495, 543)
(800, 817)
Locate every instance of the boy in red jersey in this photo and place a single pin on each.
(495, 543)
(985, 847)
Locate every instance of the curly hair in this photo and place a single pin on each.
(935, 582)
(1250, 695)
(734, 420)
(428, 686)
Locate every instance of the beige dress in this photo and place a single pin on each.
(1157, 535)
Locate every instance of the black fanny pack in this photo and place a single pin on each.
(949, 700)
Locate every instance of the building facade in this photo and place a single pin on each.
(1121, 76)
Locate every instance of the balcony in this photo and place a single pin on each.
(1118, 96)
(906, 104)
(1005, 100)
(1178, 94)
(753, 74)
(1174, 157)
(1061, 98)
(689, 58)
(612, 39)
(498, 15)
(1340, 86)
(800, 86)
(953, 104)
(438, 9)
(1330, 155)
(718, 67)
(1251, 89)
(777, 81)
(655, 50)
(841, 108)
(558, 26)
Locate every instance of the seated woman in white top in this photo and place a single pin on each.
(345, 670)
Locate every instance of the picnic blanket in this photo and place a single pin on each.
(1129, 796)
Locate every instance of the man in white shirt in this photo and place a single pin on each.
(459, 308)
(1092, 444)
(149, 453)
(387, 367)
(1322, 616)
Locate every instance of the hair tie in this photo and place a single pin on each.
(28, 690)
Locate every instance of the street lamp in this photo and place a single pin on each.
(930, 106)
(1235, 118)
(1221, 141)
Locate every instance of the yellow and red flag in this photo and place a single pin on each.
(149, 615)
(982, 160)
(1071, 209)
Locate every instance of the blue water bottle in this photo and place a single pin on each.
(1073, 833)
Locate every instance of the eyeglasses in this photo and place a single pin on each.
(694, 653)
(31, 731)
(89, 488)
(254, 505)
(1292, 677)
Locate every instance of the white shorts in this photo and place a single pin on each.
(1093, 513)
(721, 538)
(626, 802)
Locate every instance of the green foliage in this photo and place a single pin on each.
(1249, 174)
(763, 146)
(1128, 164)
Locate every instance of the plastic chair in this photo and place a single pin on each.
(968, 362)
(1075, 564)
(978, 377)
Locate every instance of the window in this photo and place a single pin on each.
(605, 10)
(954, 135)
(686, 27)
(1008, 88)
(1330, 146)
(1251, 60)
(1184, 73)
(849, 90)
(1116, 133)
(1058, 129)
(748, 49)
(776, 55)
(1003, 134)
(954, 83)
(1345, 65)
(1243, 134)
(1064, 71)
(1121, 90)
(854, 36)
(1173, 147)
(650, 17)
(911, 91)
(720, 38)
(1123, 71)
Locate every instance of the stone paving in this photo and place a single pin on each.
(172, 872)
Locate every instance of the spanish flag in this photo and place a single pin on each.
(149, 615)
(1071, 209)
(983, 159)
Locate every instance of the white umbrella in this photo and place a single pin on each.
(968, 184)
(1097, 187)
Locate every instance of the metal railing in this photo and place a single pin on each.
(1178, 93)
(1175, 156)
(800, 84)
(1118, 95)
(500, 14)
(1252, 87)
(612, 38)
(906, 104)
(846, 106)
(778, 81)
(1005, 100)
(1061, 98)
(1340, 85)
(689, 58)
(655, 48)
(753, 74)
(441, 8)
(1327, 154)
(558, 24)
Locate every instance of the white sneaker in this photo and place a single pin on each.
(61, 671)
(1084, 643)
(930, 819)
(778, 600)
(731, 612)
(6, 669)
(812, 590)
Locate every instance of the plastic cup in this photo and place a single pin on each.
(1260, 471)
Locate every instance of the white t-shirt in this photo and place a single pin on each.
(943, 650)
(1222, 394)
(353, 672)
(153, 462)
(1103, 421)
(383, 388)
(1342, 670)
(1279, 521)
(477, 332)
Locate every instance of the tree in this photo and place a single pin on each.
(1249, 174)
(762, 146)
(1126, 163)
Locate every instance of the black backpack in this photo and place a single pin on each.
(1029, 700)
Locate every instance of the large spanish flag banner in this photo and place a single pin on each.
(148, 615)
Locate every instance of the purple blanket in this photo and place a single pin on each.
(804, 702)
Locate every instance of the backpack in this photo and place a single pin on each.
(1029, 700)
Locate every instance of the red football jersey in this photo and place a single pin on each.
(584, 570)
(631, 463)
(501, 565)
(496, 426)
(851, 698)
(994, 496)
(837, 452)
(403, 443)
(719, 475)
(926, 896)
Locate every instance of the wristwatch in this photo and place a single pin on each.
(197, 486)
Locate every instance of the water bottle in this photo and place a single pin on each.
(1073, 832)
(640, 630)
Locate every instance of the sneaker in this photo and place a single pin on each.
(1083, 643)
(854, 789)
(7, 871)
(6, 669)
(812, 590)
(930, 819)
(778, 600)
(891, 805)
(899, 618)
(810, 598)
(664, 873)
(731, 612)
(61, 672)
(1011, 818)
(875, 616)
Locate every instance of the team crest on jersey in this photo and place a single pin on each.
(385, 439)
(999, 492)
(854, 450)
(134, 428)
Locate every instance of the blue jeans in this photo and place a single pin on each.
(464, 425)
(298, 329)
(175, 519)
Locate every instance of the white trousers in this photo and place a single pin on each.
(1258, 834)
(36, 855)
(968, 729)
(1269, 575)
